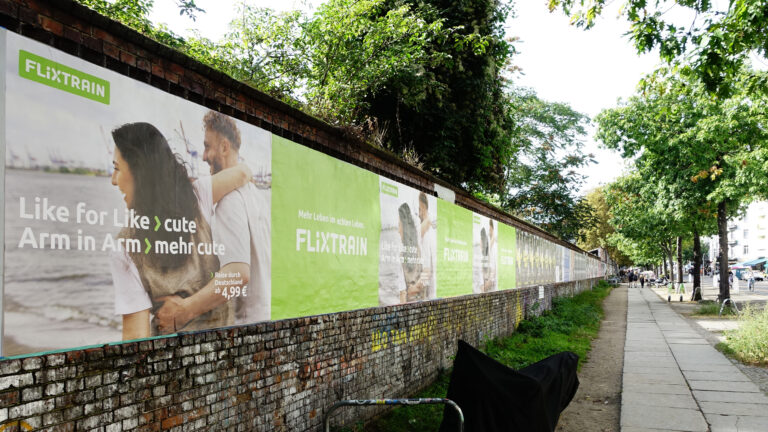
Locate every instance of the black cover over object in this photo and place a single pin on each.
(495, 398)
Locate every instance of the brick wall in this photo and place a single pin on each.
(275, 376)
(280, 375)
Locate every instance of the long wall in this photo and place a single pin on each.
(279, 375)
(276, 376)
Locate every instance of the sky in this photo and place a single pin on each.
(589, 70)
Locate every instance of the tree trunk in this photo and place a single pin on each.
(671, 267)
(696, 266)
(722, 231)
(679, 259)
(668, 251)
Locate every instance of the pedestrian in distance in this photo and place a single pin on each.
(642, 281)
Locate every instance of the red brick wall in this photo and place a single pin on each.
(276, 376)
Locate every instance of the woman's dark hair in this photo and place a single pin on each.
(410, 239)
(161, 188)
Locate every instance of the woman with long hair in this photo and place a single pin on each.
(410, 254)
(155, 184)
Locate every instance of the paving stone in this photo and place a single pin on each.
(729, 408)
(636, 429)
(721, 423)
(698, 341)
(719, 376)
(676, 379)
(707, 368)
(725, 386)
(656, 389)
(660, 400)
(652, 356)
(651, 369)
(718, 396)
(683, 334)
(666, 418)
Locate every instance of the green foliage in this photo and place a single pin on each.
(571, 325)
(598, 234)
(714, 44)
(712, 308)
(749, 343)
(644, 229)
(541, 176)
(420, 78)
(694, 152)
(452, 110)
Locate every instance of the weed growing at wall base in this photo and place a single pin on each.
(571, 325)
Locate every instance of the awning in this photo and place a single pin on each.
(755, 262)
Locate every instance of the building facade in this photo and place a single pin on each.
(747, 236)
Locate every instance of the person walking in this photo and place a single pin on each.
(642, 281)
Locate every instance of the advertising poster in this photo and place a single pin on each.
(524, 259)
(131, 213)
(112, 229)
(507, 257)
(325, 233)
(454, 250)
(485, 253)
(407, 244)
(566, 264)
(550, 269)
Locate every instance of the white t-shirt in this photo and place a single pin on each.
(429, 263)
(130, 295)
(242, 225)
(493, 263)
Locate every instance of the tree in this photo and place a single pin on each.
(704, 151)
(453, 112)
(420, 78)
(540, 176)
(644, 230)
(598, 234)
(715, 44)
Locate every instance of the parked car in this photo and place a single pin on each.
(759, 275)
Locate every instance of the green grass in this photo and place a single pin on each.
(712, 308)
(571, 325)
(749, 343)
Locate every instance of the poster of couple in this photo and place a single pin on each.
(129, 212)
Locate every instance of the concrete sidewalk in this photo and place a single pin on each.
(674, 380)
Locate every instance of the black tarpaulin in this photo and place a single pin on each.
(495, 398)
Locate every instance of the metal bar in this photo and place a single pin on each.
(413, 401)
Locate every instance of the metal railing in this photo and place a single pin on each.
(365, 402)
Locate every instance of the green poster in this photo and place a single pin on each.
(507, 253)
(454, 250)
(325, 233)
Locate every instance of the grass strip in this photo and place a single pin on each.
(749, 342)
(712, 308)
(571, 325)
